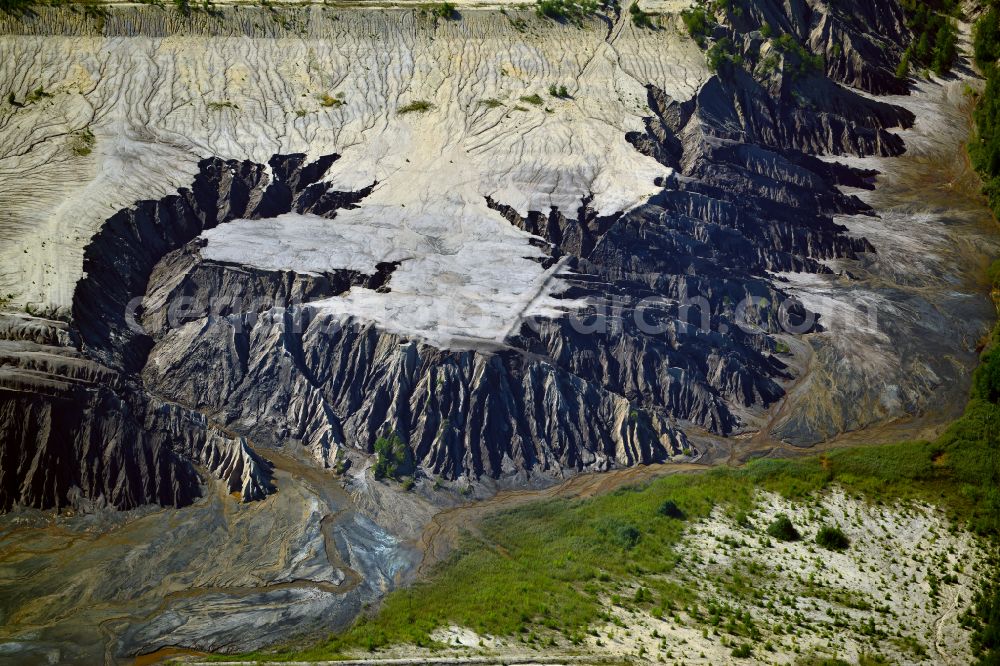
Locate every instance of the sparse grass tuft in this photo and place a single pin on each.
(82, 143)
(220, 105)
(326, 100)
(418, 106)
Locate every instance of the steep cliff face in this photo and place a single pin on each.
(79, 423)
(860, 42)
(75, 432)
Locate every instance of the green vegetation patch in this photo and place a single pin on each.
(418, 106)
(798, 60)
(984, 145)
(221, 105)
(534, 98)
(444, 10)
(559, 92)
(935, 35)
(329, 101)
(15, 7)
(82, 143)
(574, 11)
(640, 19)
(699, 22)
(393, 458)
(832, 537)
(721, 54)
(783, 529)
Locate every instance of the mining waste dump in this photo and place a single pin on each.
(257, 261)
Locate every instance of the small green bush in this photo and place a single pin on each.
(82, 142)
(903, 69)
(535, 99)
(640, 19)
(699, 23)
(418, 106)
(986, 378)
(670, 509)
(783, 529)
(559, 92)
(328, 101)
(37, 95)
(444, 10)
(742, 651)
(832, 537)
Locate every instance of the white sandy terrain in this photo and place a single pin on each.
(876, 598)
(897, 592)
(156, 106)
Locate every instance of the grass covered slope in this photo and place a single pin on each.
(547, 569)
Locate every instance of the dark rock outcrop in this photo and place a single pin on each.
(860, 42)
(76, 432)
(76, 423)
(681, 301)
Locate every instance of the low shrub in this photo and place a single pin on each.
(742, 651)
(559, 92)
(699, 23)
(783, 529)
(640, 19)
(445, 10)
(670, 509)
(566, 10)
(832, 538)
(418, 106)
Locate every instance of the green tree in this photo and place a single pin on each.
(392, 458)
